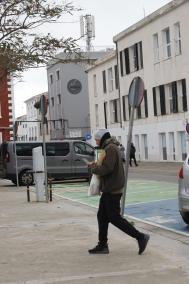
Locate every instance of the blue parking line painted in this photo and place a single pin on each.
(163, 213)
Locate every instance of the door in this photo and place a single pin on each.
(145, 146)
(59, 160)
(183, 144)
(163, 147)
(172, 146)
(82, 152)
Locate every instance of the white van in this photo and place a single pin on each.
(66, 159)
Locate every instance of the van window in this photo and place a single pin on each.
(25, 149)
(83, 149)
(58, 149)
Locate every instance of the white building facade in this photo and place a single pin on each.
(33, 118)
(68, 95)
(22, 128)
(156, 49)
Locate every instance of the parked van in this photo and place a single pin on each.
(65, 159)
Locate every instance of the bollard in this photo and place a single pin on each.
(50, 188)
(28, 190)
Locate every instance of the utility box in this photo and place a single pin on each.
(39, 173)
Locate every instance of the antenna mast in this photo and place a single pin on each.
(87, 28)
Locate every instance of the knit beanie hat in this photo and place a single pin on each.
(100, 133)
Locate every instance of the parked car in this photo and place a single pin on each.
(65, 159)
(183, 191)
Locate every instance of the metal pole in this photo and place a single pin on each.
(15, 154)
(45, 163)
(129, 138)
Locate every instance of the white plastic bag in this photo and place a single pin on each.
(94, 187)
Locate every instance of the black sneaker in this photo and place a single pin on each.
(99, 249)
(142, 243)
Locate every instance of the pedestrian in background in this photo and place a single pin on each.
(112, 179)
(122, 151)
(132, 155)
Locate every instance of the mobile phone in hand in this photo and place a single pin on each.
(86, 161)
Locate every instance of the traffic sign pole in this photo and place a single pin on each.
(129, 138)
(136, 93)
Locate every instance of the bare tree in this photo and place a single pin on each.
(21, 45)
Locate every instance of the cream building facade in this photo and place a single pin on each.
(156, 49)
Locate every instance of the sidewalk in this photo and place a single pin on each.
(47, 243)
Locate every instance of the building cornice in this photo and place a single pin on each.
(150, 18)
(101, 60)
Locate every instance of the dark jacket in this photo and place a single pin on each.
(133, 150)
(111, 171)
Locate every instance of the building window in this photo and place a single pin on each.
(114, 106)
(177, 39)
(104, 81)
(59, 99)
(156, 47)
(53, 124)
(166, 43)
(170, 98)
(110, 80)
(96, 116)
(52, 101)
(51, 79)
(116, 77)
(132, 58)
(95, 85)
(57, 75)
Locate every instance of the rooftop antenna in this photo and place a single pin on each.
(144, 12)
(87, 28)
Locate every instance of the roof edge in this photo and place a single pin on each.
(150, 18)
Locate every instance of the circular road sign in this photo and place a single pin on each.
(136, 92)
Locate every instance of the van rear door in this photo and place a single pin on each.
(3, 153)
(59, 161)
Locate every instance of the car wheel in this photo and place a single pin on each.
(185, 217)
(25, 178)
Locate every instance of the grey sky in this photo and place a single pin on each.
(111, 17)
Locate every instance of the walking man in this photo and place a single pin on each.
(132, 155)
(112, 178)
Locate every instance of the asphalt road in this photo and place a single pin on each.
(164, 171)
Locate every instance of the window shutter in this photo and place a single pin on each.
(184, 97)
(162, 100)
(145, 103)
(175, 97)
(127, 63)
(154, 101)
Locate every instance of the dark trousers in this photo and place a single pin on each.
(132, 157)
(109, 212)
